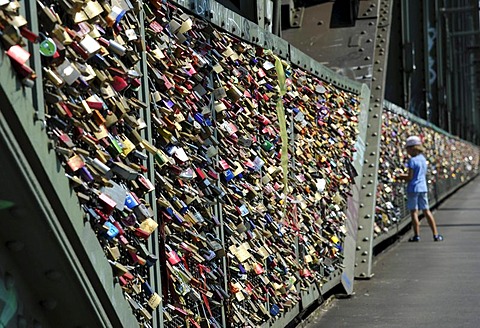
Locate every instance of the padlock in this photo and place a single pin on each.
(47, 46)
(215, 244)
(207, 254)
(172, 256)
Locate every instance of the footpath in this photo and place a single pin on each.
(424, 284)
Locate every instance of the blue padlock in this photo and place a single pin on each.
(199, 118)
(130, 201)
(228, 175)
(112, 230)
(274, 310)
(169, 103)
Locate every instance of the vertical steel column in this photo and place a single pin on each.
(448, 67)
(426, 60)
(277, 18)
(218, 209)
(407, 75)
(439, 46)
(261, 13)
(144, 95)
(35, 61)
(363, 258)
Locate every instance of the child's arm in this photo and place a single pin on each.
(405, 176)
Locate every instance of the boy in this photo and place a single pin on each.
(417, 190)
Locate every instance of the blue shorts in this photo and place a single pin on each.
(417, 201)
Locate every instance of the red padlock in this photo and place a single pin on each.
(172, 256)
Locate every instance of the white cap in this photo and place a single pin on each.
(413, 141)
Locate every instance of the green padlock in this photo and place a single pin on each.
(48, 48)
(267, 145)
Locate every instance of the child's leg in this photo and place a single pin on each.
(431, 221)
(415, 222)
(423, 205)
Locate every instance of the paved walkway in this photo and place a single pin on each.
(425, 284)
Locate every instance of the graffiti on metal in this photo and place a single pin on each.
(246, 27)
(233, 22)
(268, 42)
(201, 7)
(432, 74)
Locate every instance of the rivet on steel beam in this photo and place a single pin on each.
(380, 69)
(377, 62)
(363, 32)
(360, 227)
(363, 274)
(364, 186)
(367, 58)
(359, 248)
(371, 165)
(370, 175)
(369, 41)
(378, 87)
(374, 134)
(369, 194)
(373, 153)
(361, 50)
(368, 216)
(370, 181)
(366, 239)
(362, 205)
(365, 253)
(375, 115)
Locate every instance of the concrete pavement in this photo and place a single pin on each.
(424, 284)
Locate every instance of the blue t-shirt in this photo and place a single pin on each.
(419, 181)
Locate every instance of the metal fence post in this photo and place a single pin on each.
(364, 256)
